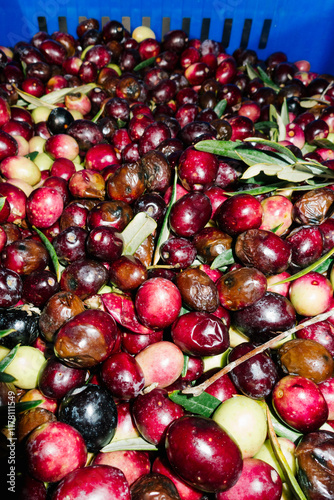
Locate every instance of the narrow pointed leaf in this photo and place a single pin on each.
(253, 156)
(289, 477)
(4, 333)
(224, 259)
(185, 365)
(222, 148)
(164, 231)
(220, 108)
(257, 168)
(264, 125)
(144, 64)
(280, 429)
(251, 72)
(285, 113)
(204, 405)
(136, 232)
(27, 405)
(35, 102)
(138, 444)
(6, 377)
(262, 189)
(323, 143)
(9, 358)
(98, 114)
(279, 148)
(293, 174)
(32, 156)
(120, 123)
(52, 252)
(267, 80)
(58, 95)
(2, 202)
(307, 270)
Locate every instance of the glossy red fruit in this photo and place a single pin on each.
(239, 213)
(122, 376)
(203, 454)
(53, 450)
(190, 214)
(44, 207)
(92, 482)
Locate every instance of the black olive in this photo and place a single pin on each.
(59, 120)
(24, 324)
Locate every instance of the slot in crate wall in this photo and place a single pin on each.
(302, 29)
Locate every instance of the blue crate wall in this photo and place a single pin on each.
(302, 29)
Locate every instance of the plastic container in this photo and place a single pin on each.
(302, 29)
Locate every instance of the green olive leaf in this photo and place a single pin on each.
(279, 148)
(98, 114)
(144, 64)
(307, 270)
(285, 113)
(267, 80)
(6, 377)
(32, 156)
(164, 231)
(222, 148)
(4, 333)
(261, 189)
(2, 202)
(204, 405)
(138, 444)
(289, 477)
(293, 174)
(185, 365)
(257, 168)
(9, 358)
(220, 108)
(264, 125)
(251, 72)
(223, 259)
(52, 252)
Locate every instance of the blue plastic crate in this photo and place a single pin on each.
(302, 29)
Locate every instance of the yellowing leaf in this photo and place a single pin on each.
(291, 174)
(254, 170)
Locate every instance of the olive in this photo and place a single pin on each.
(59, 120)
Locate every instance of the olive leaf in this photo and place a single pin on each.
(275, 116)
(294, 174)
(185, 365)
(136, 232)
(6, 377)
(251, 72)
(264, 125)
(267, 80)
(204, 405)
(20, 407)
(256, 169)
(279, 147)
(222, 148)
(307, 270)
(223, 259)
(98, 114)
(50, 100)
(262, 189)
(34, 102)
(2, 202)
(138, 444)
(32, 156)
(145, 64)
(220, 108)
(254, 156)
(164, 231)
(289, 477)
(120, 123)
(52, 252)
(5, 362)
(323, 143)
(4, 333)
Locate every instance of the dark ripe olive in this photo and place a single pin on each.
(87, 24)
(306, 245)
(306, 358)
(167, 60)
(152, 204)
(207, 99)
(223, 128)
(108, 126)
(264, 250)
(239, 213)
(61, 307)
(157, 171)
(39, 287)
(128, 60)
(87, 339)
(164, 91)
(104, 243)
(84, 277)
(112, 30)
(211, 242)
(263, 320)
(154, 486)
(56, 379)
(117, 108)
(198, 291)
(24, 324)
(127, 273)
(153, 135)
(115, 214)
(92, 411)
(74, 214)
(86, 133)
(25, 256)
(256, 377)
(178, 252)
(170, 146)
(241, 288)
(313, 207)
(40, 70)
(172, 124)
(315, 458)
(70, 244)
(194, 130)
(127, 183)
(59, 120)
(190, 214)
(175, 40)
(200, 334)
(10, 287)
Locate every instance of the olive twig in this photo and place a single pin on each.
(196, 391)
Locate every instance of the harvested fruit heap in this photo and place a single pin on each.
(166, 280)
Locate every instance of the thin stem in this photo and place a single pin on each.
(197, 391)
